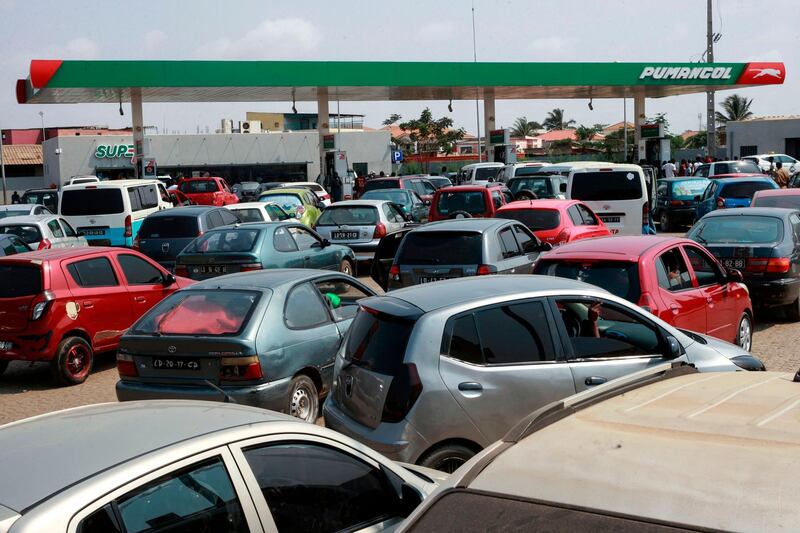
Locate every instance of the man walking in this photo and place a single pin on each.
(781, 175)
(669, 169)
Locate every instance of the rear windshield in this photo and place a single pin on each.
(87, 202)
(230, 240)
(373, 185)
(287, 201)
(378, 342)
(540, 186)
(743, 190)
(198, 186)
(28, 233)
(688, 189)
(40, 198)
(485, 173)
(472, 202)
(251, 214)
(527, 171)
(440, 182)
(618, 277)
(615, 185)
(735, 167)
(740, 229)
(19, 280)
(169, 227)
(12, 212)
(534, 219)
(441, 248)
(250, 185)
(217, 312)
(397, 196)
(354, 216)
(790, 201)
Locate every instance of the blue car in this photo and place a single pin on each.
(727, 193)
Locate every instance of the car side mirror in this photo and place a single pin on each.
(426, 202)
(168, 280)
(673, 347)
(735, 275)
(80, 234)
(697, 198)
(545, 247)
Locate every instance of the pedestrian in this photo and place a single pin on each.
(771, 170)
(697, 162)
(15, 199)
(781, 175)
(684, 168)
(444, 170)
(336, 187)
(669, 168)
(360, 186)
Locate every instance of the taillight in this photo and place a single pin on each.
(406, 387)
(125, 365)
(394, 273)
(326, 196)
(128, 227)
(484, 270)
(676, 202)
(562, 237)
(720, 203)
(647, 303)
(181, 270)
(249, 267)
(380, 231)
(779, 264)
(136, 242)
(45, 244)
(240, 368)
(41, 305)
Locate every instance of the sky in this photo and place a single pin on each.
(412, 30)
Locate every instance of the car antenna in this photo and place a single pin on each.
(228, 398)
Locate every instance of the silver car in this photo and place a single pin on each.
(43, 231)
(163, 466)
(360, 224)
(433, 374)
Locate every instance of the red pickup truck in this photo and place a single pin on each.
(208, 191)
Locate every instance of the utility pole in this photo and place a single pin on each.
(475, 60)
(711, 133)
(3, 169)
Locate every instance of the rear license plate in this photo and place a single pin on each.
(175, 363)
(429, 279)
(6, 345)
(733, 263)
(217, 269)
(610, 220)
(345, 234)
(93, 232)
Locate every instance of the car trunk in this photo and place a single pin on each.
(752, 260)
(434, 256)
(20, 284)
(210, 265)
(353, 224)
(163, 238)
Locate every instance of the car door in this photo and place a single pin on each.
(512, 259)
(720, 303)
(604, 340)
(284, 253)
(71, 236)
(394, 217)
(57, 238)
(708, 201)
(146, 283)
(682, 304)
(310, 244)
(502, 362)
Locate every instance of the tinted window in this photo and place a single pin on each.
(704, 267)
(392, 214)
(215, 220)
(672, 272)
(497, 200)
(230, 240)
(250, 215)
(534, 219)
(282, 241)
(170, 227)
(304, 308)
(790, 201)
(526, 241)
(615, 185)
(93, 273)
(445, 248)
(68, 230)
(539, 186)
(29, 234)
(618, 277)
(373, 185)
(508, 244)
(86, 202)
(400, 196)
(145, 197)
(688, 189)
(735, 167)
(516, 333)
(586, 214)
(575, 215)
(212, 312)
(19, 280)
(378, 342)
(304, 238)
(11, 245)
(742, 229)
(14, 211)
(473, 202)
(276, 213)
(228, 217)
(310, 487)
(464, 342)
(351, 215)
(138, 271)
(486, 173)
(198, 186)
(743, 190)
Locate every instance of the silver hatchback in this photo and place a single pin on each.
(360, 224)
(434, 374)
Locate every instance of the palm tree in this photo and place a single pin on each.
(736, 107)
(524, 128)
(555, 120)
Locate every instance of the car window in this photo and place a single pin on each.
(575, 215)
(497, 200)
(341, 296)
(702, 170)
(598, 329)
(441, 248)
(312, 487)
(507, 195)
(795, 221)
(353, 215)
(282, 241)
(527, 241)
(304, 238)
(68, 230)
(241, 239)
(28, 233)
(55, 229)
(672, 272)
(95, 272)
(304, 308)
(138, 271)
(251, 214)
(449, 202)
(588, 217)
(705, 269)
(194, 499)
(198, 186)
(427, 188)
(614, 185)
(228, 217)
(214, 220)
(211, 312)
(508, 244)
(662, 190)
(392, 214)
(276, 213)
(464, 343)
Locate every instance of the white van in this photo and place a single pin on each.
(109, 213)
(478, 173)
(616, 193)
(566, 167)
(520, 169)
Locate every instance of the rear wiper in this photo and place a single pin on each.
(700, 239)
(228, 397)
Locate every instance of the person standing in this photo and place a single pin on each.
(781, 175)
(15, 199)
(697, 162)
(669, 169)
(683, 170)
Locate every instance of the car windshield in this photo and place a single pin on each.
(744, 189)
(212, 312)
(88, 202)
(486, 173)
(618, 277)
(440, 182)
(378, 342)
(736, 167)
(538, 186)
(614, 185)
(534, 219)
(374, 184)
(249, 214)
(27, 232)
(398, 196)
(789, 201)
(169, 227)
(198, 186)
(14, 211)
(39, 197)
(20, 280)
(688, 189)
(225, 240)
(350, 215)
(739, 229)
(250, 185)
(289, 202)
(441, 248)
(472, 202)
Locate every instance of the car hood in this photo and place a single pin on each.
(724, 348)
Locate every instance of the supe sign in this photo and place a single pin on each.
(112, 151)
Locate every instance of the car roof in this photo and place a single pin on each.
(464, 224)
(719, 447)
(621, 248)
(54, 451)
(738, 178)
(188, 210)
(271, 278)
(19, 207)
(27, 219)
(777, 212)
(110, 184)
(200, 178)
(487, 164)
(393, 191)
(56, 254)
(683, 178)
(368, 203)
(538, 204)
(283, 190)
(778, 192)
(462, 188)
(246, 205)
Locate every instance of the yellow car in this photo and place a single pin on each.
(302, 204)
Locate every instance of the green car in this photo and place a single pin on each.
(302, 204)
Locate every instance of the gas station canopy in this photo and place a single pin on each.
(57, 81)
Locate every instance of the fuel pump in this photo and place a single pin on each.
(336, 164)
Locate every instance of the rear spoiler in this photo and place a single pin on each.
(391, 306)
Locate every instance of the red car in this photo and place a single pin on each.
(556, 221)
(677, 280)
(208, 191)
(64, 305)
(786, 198)
(469, 201)
(178, 199)
(418, 183)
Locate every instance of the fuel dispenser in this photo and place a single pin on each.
(336, 164)
(504, 151)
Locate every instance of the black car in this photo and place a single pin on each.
(764, 244)
(675, 201)
(45, 197)
(536, 186)
(164, 234)
(12, 245)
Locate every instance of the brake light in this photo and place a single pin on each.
(240, 368)
(647, 303)
(126, 366)
(720, 203)
(249, 267)
(136, 242)
(44, 244)
(645, 211)
(406, 387)
(41, 305)
(394, 273)
(380, 231)
(326, 196)
(181, 270)
(128, 227)
(676, 202)
(485, 270)
(778, 264)
(562, 237)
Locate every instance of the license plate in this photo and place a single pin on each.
(345, 235)
(93, 232)
(217, 269)
(4, 346)
(175, 363)
(429, 279)
(610, 220)
(733, 263)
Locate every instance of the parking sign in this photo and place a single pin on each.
(397, 156)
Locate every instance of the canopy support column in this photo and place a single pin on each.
(138, 129)
(323, 115)
(639, 118)
(488, 121)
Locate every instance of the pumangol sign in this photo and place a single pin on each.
(741, 74)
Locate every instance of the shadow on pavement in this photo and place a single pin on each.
(21, 376)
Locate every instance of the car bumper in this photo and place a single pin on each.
(32, 346)
(773, 293)
(273, 395)
(681, 215)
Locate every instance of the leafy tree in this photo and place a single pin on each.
(614, 143)
(431, 134)
(394, 117)
(697, 141)
(555, 120)
(676, 142)
(524, 128)
(660, 118)
(587, 133)
(736, 107)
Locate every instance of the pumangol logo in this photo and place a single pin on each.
(760, 73)
(686, 73)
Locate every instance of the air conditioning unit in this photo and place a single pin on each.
(227, 126)
(250, 126)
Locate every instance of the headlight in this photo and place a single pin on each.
(748, 362)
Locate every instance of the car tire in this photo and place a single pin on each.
(3, 366)
(447, 458)
(303, 399)
(459, 214)
(346, 267)
(793, 311)
(73, 361)
(664, 222)
(744, 333)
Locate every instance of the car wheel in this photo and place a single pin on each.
(447, 458)
(3, 366)
(346, 267)
(459, 214)
(793, 311)
(73, 361)
(664, 222)
(744, 333)
(304, 399)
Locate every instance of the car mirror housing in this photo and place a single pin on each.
(735, 275)
(169, 279)
(673, 347)
(545, 247)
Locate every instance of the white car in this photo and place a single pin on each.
(42, 232)
(721, 168)
(76, 180)
(259, 212)
(360, 224)
(318, 189)
(762, 160)
(19, 210)
(519, 169)
(478, 173)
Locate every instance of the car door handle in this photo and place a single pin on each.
(88, 304)
(470, 386)
(139, 299)
(594, 380)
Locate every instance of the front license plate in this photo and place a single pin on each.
(175, 363)
(341, 235)
(610, 220)
(5, 346)
(428, 279)
(213, 269)
(733, 263)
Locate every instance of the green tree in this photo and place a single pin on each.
(614, 143)
(555, 120)
(676, 142)
(394, 117)
(660, 118)
(697, 141)
(432, 134)
(524, 128)
(736, 107)
(587, 133)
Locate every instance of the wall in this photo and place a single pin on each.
(269, 121)
(21, 185)
(767, 135)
